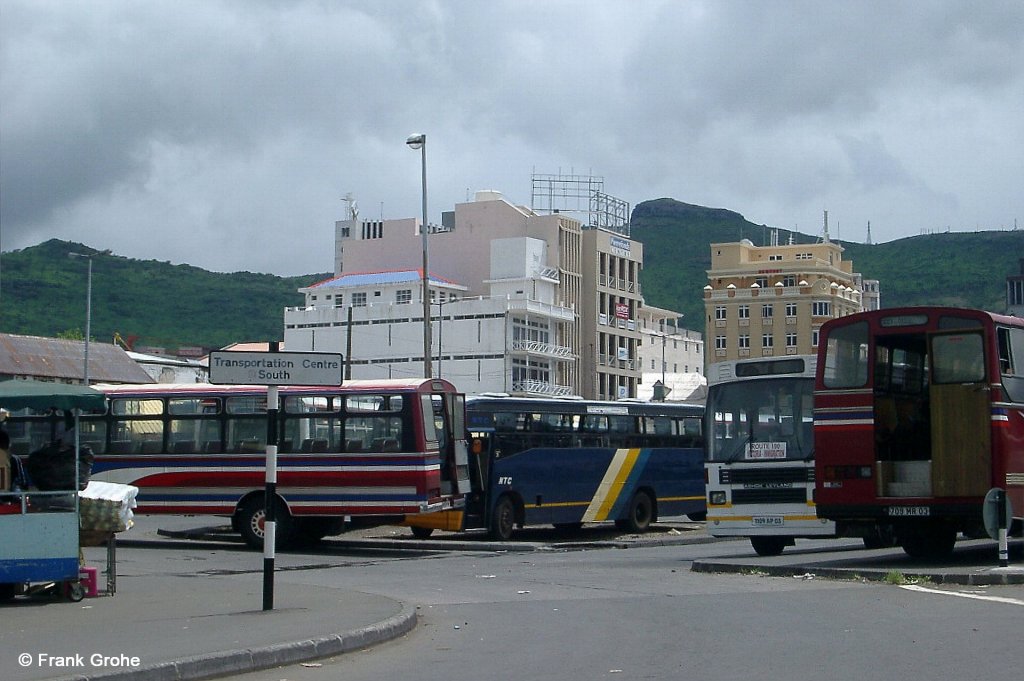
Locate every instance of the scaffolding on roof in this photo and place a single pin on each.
(582, 195)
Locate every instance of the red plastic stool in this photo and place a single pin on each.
(87, 576)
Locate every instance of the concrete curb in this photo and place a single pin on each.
(996, 576)
(246, 660)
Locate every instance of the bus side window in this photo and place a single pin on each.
(1011, 362)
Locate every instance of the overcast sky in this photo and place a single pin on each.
(224, 134)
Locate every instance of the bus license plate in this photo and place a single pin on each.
(909, 511)
(768, 521)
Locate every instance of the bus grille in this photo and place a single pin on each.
(739, 476)
(770, 496)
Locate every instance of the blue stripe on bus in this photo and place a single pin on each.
(629, 485)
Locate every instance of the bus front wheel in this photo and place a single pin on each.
(252, 522)
(640, 515)
(768, 546)
(503, 519)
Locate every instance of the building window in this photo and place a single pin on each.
(652, 365)
(767, 311)
(790, 340)
(530, 330)
(1015, 291)
(762, 282)
(790, 309)
(814, 338)
(744, 312)
(720, 343)
(359, 299)
(339, 300)
(720, 312)
(821, 308)
(767, 341)
(403, 296)
(775, 257)
(744, 341)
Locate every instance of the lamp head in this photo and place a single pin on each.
(416, 141)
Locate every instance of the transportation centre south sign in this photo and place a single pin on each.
(276, 368)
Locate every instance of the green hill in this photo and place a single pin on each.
(956, 268)
(43, 293)
(42, 290)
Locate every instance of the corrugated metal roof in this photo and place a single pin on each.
(39, 357)
(378, 279)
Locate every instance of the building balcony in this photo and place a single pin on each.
(540, 388)
(535, 308)
(530, 347)
(614, 362)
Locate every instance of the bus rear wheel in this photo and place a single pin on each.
(640, 516)
(310, 531)
(503, 519)
(769, 546)
(252, 520)
(930, 542)
(421, 532)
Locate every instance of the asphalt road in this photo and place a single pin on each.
(572, 612)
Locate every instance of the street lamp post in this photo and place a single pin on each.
(419, 141)
(88, 310)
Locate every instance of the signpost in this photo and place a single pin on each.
(274, 369)
(998, 516)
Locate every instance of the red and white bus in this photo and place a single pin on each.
(919, 412)
(384, 449)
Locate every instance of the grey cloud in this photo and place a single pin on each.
(211, 121)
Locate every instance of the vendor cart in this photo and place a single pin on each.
(39, 530)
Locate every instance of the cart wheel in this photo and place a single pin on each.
(74, 590)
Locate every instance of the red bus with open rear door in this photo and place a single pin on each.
(919, 413)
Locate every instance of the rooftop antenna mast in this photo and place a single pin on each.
(353, 207)
(826, 227)
(869, 233)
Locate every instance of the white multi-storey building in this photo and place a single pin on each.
(521, 302)
(670, 356)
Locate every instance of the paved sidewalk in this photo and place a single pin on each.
(175, 627)
(975, 562)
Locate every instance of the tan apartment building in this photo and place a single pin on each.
(765, 301)
(609, 312)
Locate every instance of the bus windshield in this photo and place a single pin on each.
(766, 420)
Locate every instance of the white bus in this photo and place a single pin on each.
(759, 452)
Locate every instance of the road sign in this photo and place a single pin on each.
(276, 368)
(990, 512)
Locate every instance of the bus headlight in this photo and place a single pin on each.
(717, 498)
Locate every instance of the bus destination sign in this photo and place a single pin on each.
(276, 368)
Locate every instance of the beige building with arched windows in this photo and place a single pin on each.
(768, 301)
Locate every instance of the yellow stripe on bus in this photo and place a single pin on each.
(611, 485)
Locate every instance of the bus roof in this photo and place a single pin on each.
(551, 405)
(353, 386)
(904, 316)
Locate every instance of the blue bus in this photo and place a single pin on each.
(565, 462)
